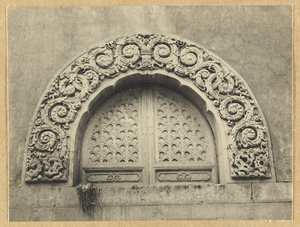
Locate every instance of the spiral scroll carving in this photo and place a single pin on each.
(48, 152)
(104, 59)
(191, 56)
(163, 53)
(45, 140)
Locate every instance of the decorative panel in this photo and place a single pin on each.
(114, 177)
(180, 131)
(247, 136)
(183, 176)
(112, 136)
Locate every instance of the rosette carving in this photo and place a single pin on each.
(128, 54)
(190, 60)
(131, 53)
(100, 60)
(234, 109)
(249, 136)
(47, 151)
(61, 112)
(162, 52)
(191, 56)
(165, 54)
(44, 139)
(104, 58)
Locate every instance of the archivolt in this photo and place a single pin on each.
(249, 144)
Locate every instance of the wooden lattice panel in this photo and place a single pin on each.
(113, 134)
(180, 130)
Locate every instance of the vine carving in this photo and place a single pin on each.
(48, 150)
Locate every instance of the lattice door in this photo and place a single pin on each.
(148, 135)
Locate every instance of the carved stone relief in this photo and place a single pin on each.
(48, 149)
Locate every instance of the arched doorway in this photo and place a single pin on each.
(148, 134)
(52, 144)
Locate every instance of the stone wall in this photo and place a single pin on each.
(255, 40)
(256, 201)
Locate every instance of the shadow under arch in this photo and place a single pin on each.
(241, 127)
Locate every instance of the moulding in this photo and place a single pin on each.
(47, 149)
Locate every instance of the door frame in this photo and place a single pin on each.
(148, 167)
(183, 87)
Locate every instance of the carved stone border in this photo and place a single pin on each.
(249, 144)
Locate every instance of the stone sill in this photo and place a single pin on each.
(272, 192)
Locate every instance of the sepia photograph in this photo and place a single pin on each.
(150, 113)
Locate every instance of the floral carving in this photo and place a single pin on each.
(48, 150)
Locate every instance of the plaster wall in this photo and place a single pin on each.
(255, 40)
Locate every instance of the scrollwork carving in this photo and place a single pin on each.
(233, 109)
(249, 147)
(164, 54)
(45, 140)
(104, 58)
(62, 112)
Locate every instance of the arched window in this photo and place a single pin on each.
(148, 134)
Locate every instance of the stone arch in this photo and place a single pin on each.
(53, 129)
(168, 80)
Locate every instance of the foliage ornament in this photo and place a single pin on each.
(48, 151)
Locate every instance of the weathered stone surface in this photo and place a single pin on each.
(48, 147)
(251, 59)
(176, 194)
(48, 214)
(284, 173)
(251, 211)
(272, 211)
(45, 196)
(112, 213)
(39, 196)
(255, 40)
(259, 211)
(272, 192)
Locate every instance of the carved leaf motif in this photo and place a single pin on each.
(72, 87)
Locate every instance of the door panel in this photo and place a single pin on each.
(113, 134)
(148, 135)
(182, 132)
